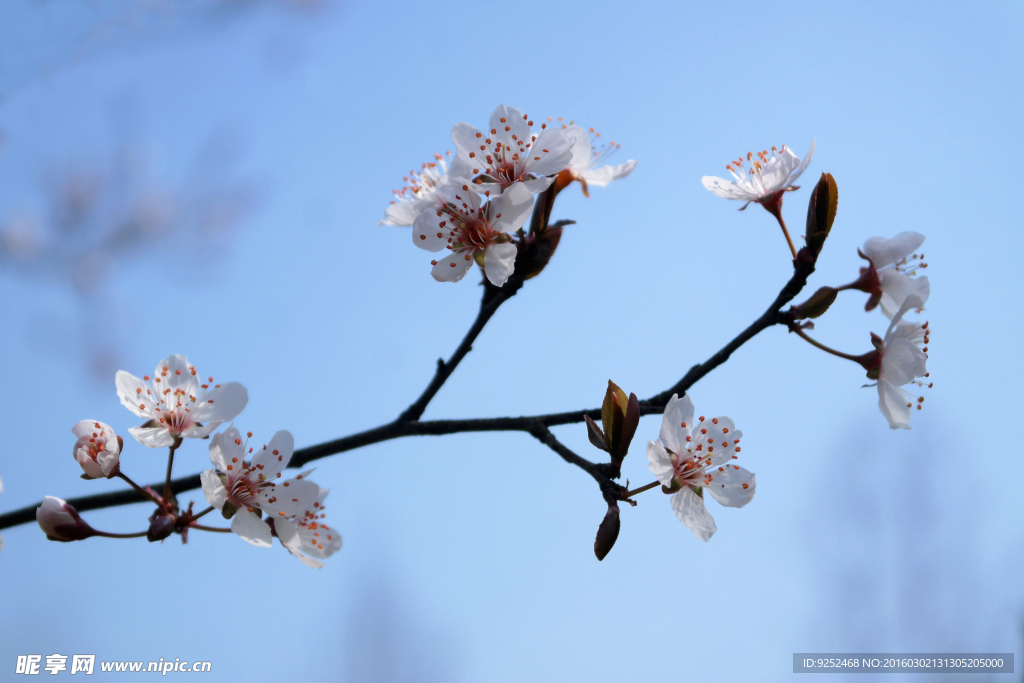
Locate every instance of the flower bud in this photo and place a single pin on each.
(821, 212)
(97, 450)
(536, 249)
(620, 417)
(160, 527)
(61, 522)
(608, 532)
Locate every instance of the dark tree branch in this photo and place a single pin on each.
(536, 425)
(488, 307)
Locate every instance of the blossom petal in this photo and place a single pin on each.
(778, 172)
(600, 177)
(308, 561)
(152, 437)
(910, 302)
(292, 497)
(728, 189)
(902, 362)
(91, 467)
(275, 455)
(893, 402)
(203, 431)
(557, 156)
(213, 489)
(896, 287)
(509, 211)
(580, 146)
(431, 230)
(404, 213)
(467, 139)
(287, 533)
(454, 267)
(803, 164)
(537, 185)
(499, 262)
(251, 528)
(689, 508)
(518, 128)
(660, 462)
(134, 393)
(885, 252)
(108, 461)
(731, 485)
(673, 434)
(179, 374)
(223, 403)
(225, 451)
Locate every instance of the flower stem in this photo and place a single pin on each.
(648, 487)
(789, 240)
(813, 342)
(216, 529)
(204, 512)
(170, 466)
(138, 488)
(107, 534)
(773, 205)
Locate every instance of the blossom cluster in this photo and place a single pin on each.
(476, 207)
(899, 358)
(244, 484)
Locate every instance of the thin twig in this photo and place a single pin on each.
(444, 370)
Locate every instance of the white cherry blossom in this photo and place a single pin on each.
(896, 262)
(694, 458)
(309, 538)
(512, 151)
(588, 163)
(902, 362)
(420, 190)
(472, 230)
(768, 175)
(98, 448)
(245, 489)
(176, 403)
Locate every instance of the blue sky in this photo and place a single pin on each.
(469, 557)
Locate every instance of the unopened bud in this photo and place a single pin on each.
(61, 522)
(620, 416)
(607, 533)
(821, 212)
(537, 249)
(160, 527)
